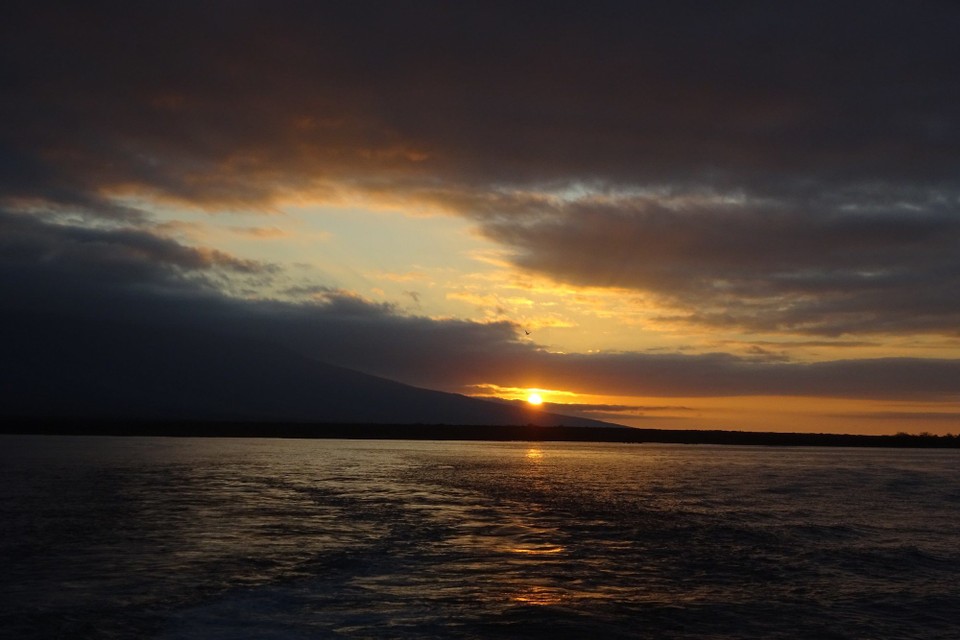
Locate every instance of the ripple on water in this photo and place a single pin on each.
(233, 538)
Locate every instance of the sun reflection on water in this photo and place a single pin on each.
(537, 551)
(539, 596)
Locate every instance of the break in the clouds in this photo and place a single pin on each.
(128, 275)
(756, 167)
(797, 164)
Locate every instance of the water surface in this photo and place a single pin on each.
(253, 538)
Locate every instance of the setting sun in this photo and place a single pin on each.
(535, 399)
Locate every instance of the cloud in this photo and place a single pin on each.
(415, 296)
(919, 416)
(119, 275)
(239, 107)
(761, 266)
(616, 413)
(776, 169)
(95, 256)
(610, 409)
(674, 375)
(259, 232)
(770, 168)
(133, 276)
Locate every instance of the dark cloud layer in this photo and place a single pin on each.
(774, 167)
(766, 267)
(137, 278)
(825, 135)
(232, 101)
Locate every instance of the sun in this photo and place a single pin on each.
(535, 399)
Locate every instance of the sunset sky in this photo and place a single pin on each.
(675, 215)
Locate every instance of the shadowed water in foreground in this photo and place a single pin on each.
(234, 538)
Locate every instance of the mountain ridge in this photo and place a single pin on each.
(88, 369)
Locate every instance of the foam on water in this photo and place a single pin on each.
(204, 538)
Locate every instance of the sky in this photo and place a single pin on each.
(737, 215)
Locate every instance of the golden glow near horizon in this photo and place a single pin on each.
(435, 265)
(438, 266)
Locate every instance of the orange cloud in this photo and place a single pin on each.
(260, 232)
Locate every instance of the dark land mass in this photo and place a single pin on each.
(83, 370)
(76, 376)
(526, 433)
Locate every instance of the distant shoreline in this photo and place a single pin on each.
(528, 433)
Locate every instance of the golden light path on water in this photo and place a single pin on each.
(539, 595)
(201, 538)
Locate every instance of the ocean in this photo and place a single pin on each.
(113, 537)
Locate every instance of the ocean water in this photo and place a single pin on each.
(251, 538)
